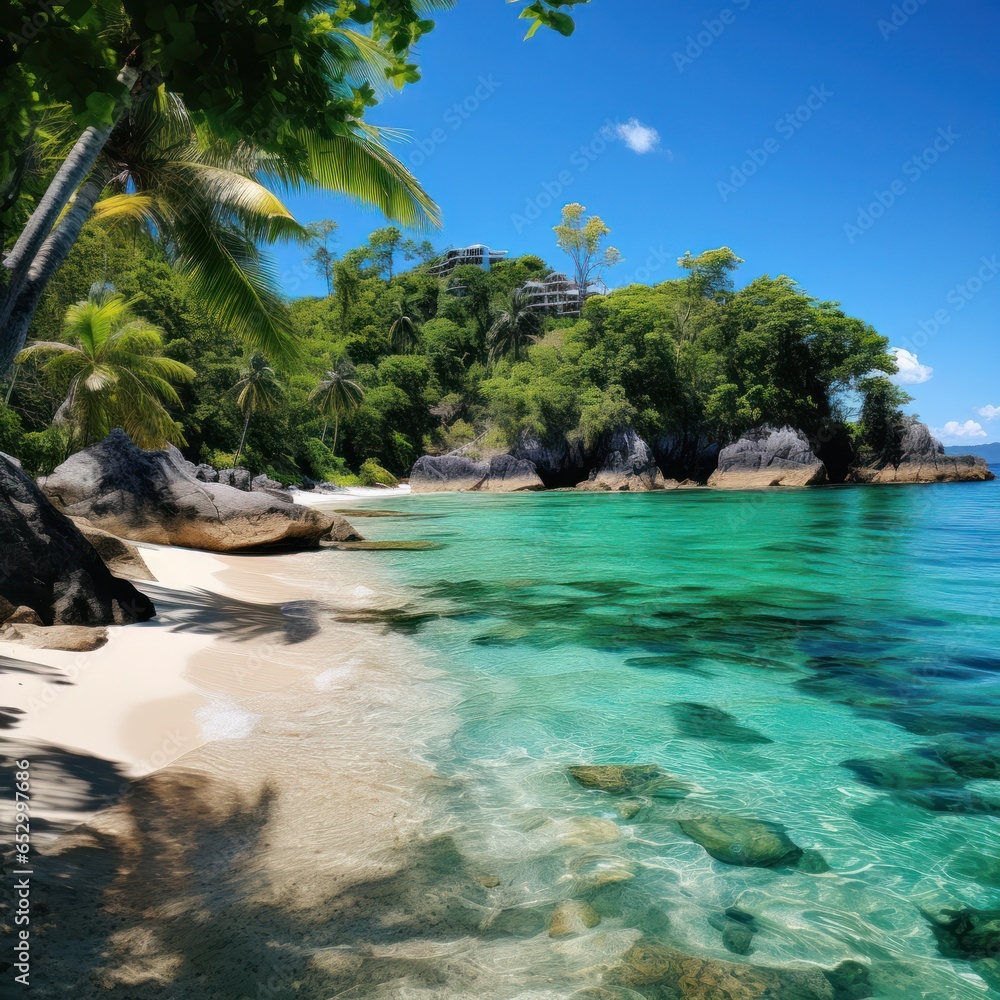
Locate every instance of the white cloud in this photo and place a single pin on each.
(990, 412)
(911, 371)
(955, 433)
(638, 137)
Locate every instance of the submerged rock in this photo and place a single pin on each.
(768, 456)
(705, 722)
(738, 928)
(628, 779)
(922, 459)
(625, 463)
(648, 964)
(150, 496)
(749, 843)
(903, 772)
(47, 565)
(966, 932)
(572, 917)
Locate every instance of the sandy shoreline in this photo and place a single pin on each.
(243, 753)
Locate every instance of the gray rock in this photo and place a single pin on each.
(768, 456)
(625, 463)
(686, 456)
(922, 460)
(148, 496)
(68, 638)
(47, 565)
(120, 556)
(507, 474)
(263, 484)
(966, 932)
(447, 473)
(239, 479)
(454, 473)
(206, 474)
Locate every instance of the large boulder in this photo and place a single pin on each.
(119, 555)
(624, 463)
(454, 473)
(768, 456)
(239, 479)
(47, 565)
(264, 484)
(149, 496)
(507, 474)
(447, 473)
(922, 460)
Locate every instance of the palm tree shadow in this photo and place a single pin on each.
(206, 613)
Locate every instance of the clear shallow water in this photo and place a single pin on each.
(749, 645)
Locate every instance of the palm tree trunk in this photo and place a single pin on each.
(23, 293)
(322, 440)
(239, 451)
(336, 430)
(10, 388)
(69, 176)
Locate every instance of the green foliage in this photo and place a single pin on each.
(41, 451)
(372, 474)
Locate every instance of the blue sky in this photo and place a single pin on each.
(854, 146)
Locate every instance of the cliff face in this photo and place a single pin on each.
(768, 456)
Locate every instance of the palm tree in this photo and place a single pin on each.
(113, 371)
(259, 392)
(516, 326)
(338, 393)
(208, 200)
(403, 331)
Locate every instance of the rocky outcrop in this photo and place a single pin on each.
(120, 556)
(149, 496)
(625, 463)
(922, 459)
(47, 565)
(507, 474)
(628, 779)
(264, 484)
(686, 456)
(67, 638)
(453, 473)
(559, 463)
(206, 474)
(239, 479)
(768, 456)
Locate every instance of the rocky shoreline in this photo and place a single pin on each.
(762, 458)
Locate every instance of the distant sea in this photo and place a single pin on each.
(991, 452)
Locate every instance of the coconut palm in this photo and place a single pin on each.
(113, 372)
(338, 393)
(211, 203)
(259, 391)
(516, 326)
(403, 331)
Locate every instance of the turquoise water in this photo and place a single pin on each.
(748, 644)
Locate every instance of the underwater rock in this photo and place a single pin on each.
(648, 964)
(903, 772)
(738, 928)
(705, 722)
(572, 917)
(970, 760)
(747, 842)
(626, 779)
(630, 808)
(966, 932)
